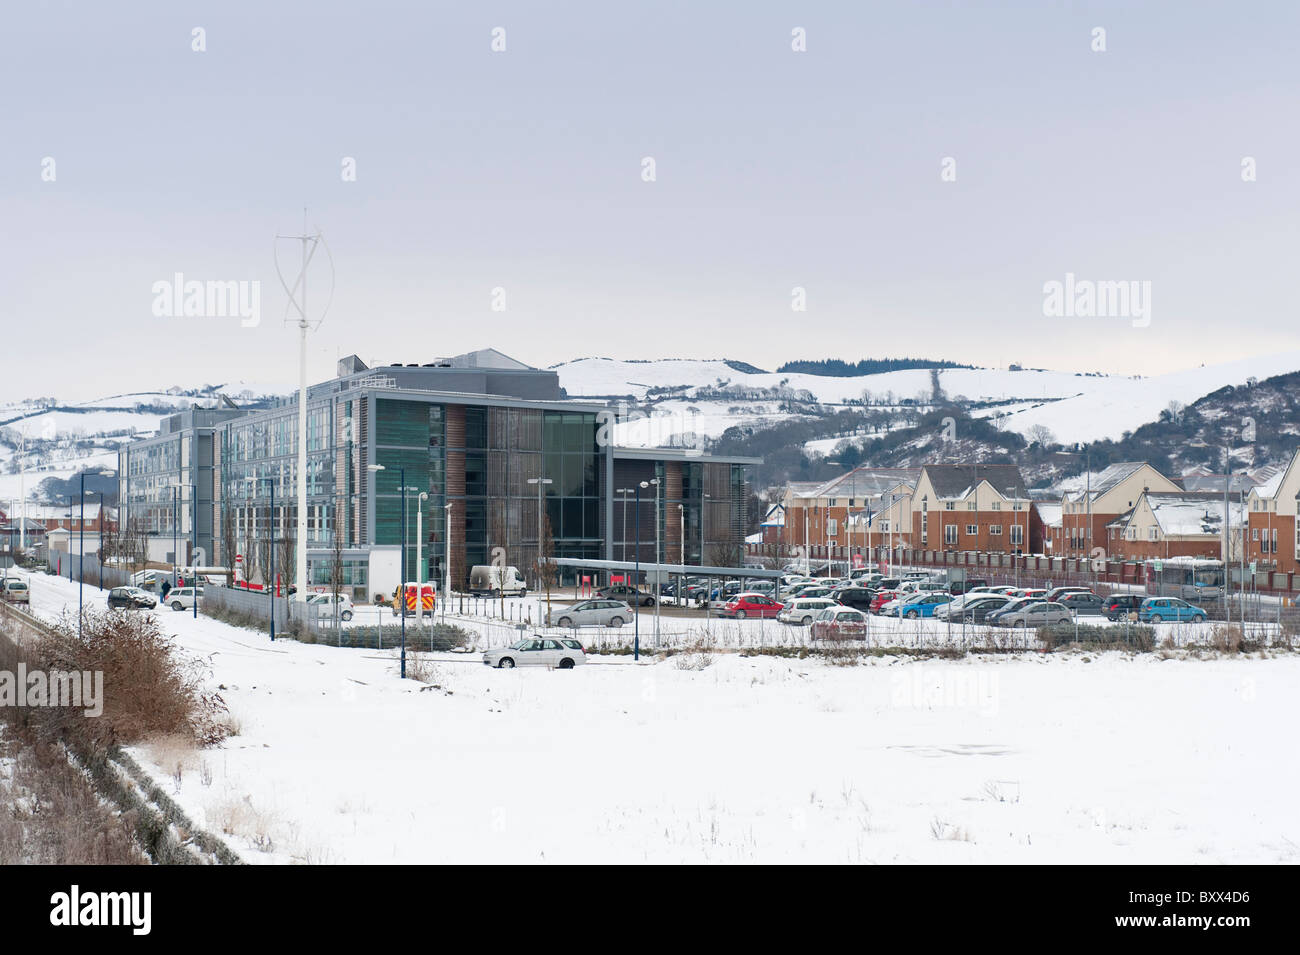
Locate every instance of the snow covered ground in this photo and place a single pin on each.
(1075, 757)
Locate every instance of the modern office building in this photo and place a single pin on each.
(480, 442)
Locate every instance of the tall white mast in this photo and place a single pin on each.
(299, 304)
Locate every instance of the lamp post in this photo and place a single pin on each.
(624, 492)
(708, 586)
(655, 482)
(194, 574)
(271, 525)
(446, 536)
(681, 580)
(401, 588)
(176, 546)
(636, 600)
(419, 536)
(541, 483)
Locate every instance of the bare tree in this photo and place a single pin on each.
(545, 564)
(336, 567)
(1041, 435)
(228, 544)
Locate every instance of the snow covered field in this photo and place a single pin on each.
(1074, 757)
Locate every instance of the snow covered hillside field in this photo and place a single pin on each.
(1057, 758)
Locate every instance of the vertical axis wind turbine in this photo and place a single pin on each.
(298, 302)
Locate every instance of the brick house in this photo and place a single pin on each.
(1273, 540)
(845, 512)
(974, 508)
(1087, 513)
(1179, 524)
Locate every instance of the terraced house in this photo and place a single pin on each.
(1086, 514)
(974, 508)
(1273, 535)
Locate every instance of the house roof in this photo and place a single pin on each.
(1191, 514)
(1109, 478)
(866, 482)
(958, 480)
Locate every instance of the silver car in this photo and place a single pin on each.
(563, 653)
(1040, 614)
(182, 598)
(591, 613)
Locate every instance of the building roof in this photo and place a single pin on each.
(1109, 478)
(958, 480)
(866, 482)
(1191, 514)
(1049, 513)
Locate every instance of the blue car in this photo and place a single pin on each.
(1169, 610)
(923, 605)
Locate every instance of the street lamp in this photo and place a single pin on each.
(446, 536)
(401, 477)
(636, 599)
(624, 492)
(681, 557)
(271, 525)
(419, 536)
(541, 483)
(657, 588)
(81, 546)
(708, 582)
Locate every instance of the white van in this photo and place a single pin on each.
(492, 580)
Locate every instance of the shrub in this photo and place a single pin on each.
(149, 688)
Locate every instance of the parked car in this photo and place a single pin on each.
(323, 605)
(591, 613)
(922, 586)
(859, 598)
(802, 610)
(1086, 604)
(182, 598)
(627, 594)
(967, 585)
(921, 606)
(750, 605)
(1169, 610)
(131, 598)
(1013, 605)
(563, 653)
(839, 623)
(15, 591)
(1056, 593)
(1038, 593)
(978, 609)
(812, 591)
(1122, 606)
(1037, 613)
(882, 598)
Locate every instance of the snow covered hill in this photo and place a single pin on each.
(1075, 407)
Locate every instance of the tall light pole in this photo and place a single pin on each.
(655, 482)
(681, 580)
(194, 574)
(401, 589)
(271, 527)
(636, 599)
(446, 536)
(419, 536)
(624, 492)
(541, 483)
(708, 586)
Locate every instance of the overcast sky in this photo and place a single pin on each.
(523, 170)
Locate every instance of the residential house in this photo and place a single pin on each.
(974, 508)
(1088, 512)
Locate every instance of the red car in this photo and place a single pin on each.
(750, 605)
(840, 623)
(882, 597)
